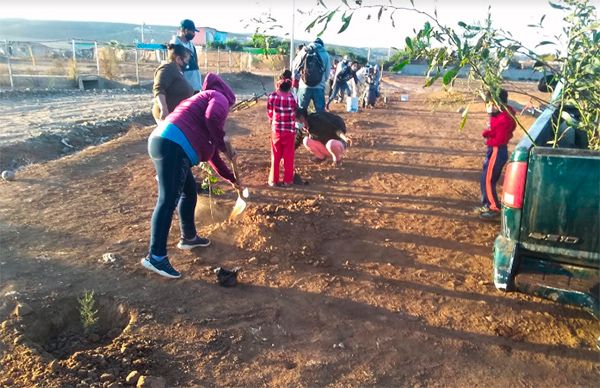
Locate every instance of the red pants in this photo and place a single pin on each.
(282, 146)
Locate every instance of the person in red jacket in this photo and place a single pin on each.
(500, 131)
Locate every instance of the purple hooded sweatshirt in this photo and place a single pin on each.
(202, 117)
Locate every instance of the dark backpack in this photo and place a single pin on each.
(312, 69)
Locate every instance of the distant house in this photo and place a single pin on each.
(207, 34)
(200, 38)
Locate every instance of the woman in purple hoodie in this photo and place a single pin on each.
(192, 133)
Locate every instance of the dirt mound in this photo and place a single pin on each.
(247, 83)
(263, 228)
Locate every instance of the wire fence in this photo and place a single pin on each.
(62, 64)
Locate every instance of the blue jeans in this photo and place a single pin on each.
(317, 95)
(176, 188)
(337, 87)
(495, 159)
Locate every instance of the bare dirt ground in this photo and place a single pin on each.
(29, 114)
(376, 273)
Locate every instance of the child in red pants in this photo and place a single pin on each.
(281, 109)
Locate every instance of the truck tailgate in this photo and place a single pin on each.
(562, 205)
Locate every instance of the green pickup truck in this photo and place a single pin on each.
(549, 244)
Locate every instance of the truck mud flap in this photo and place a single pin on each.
(506, 263)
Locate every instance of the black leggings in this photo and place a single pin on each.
(176, 188)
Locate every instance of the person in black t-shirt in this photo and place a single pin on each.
(326, 135)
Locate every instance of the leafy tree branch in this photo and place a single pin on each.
(486, 52)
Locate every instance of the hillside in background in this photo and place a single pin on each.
(42, 30)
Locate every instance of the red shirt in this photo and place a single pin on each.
(501, 129)
(281, 109)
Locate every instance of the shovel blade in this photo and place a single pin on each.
(238, 208)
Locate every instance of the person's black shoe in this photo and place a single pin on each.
(481, 209)
(193, 243)
(298, 180)
(162, 267)
(490, 215)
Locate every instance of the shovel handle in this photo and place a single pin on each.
(236, 174)
(235, 168)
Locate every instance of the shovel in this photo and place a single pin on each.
(240, 203)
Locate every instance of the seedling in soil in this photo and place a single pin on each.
(89, 316)
(210, 178)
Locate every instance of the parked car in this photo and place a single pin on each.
(549, 244)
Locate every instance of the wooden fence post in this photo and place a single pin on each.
(74, 59)
(229, 54)
(137, 68)
(97, 57)
(10, 74)
(206, 60)
(218, 60)
(32, 56)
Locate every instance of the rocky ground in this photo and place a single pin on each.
(375, 273)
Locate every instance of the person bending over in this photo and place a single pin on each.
(192, 133)
(326, 135)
